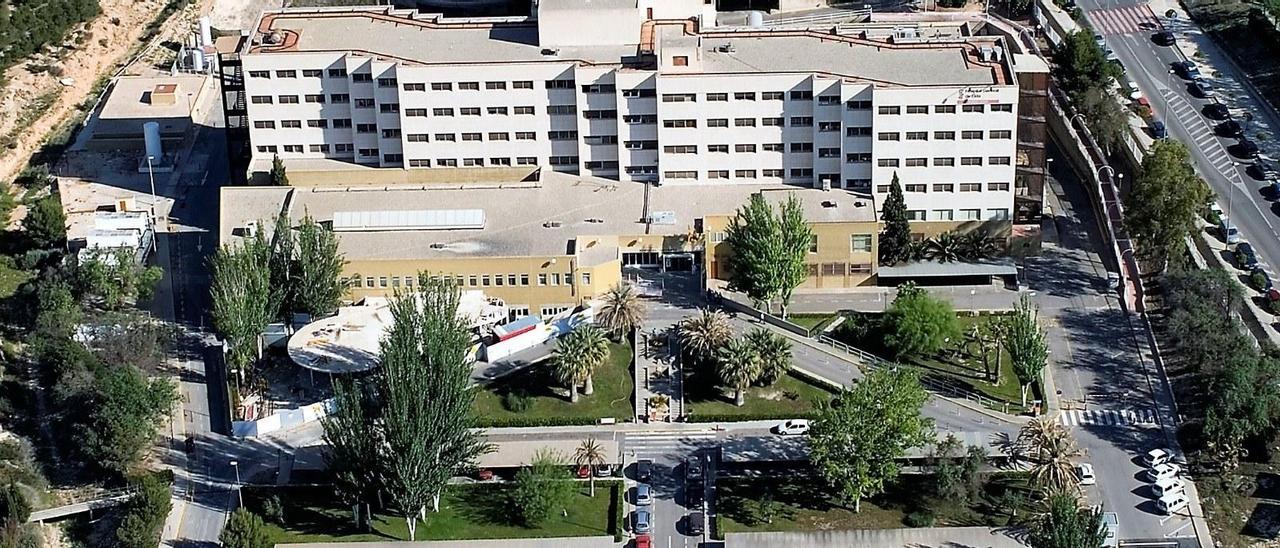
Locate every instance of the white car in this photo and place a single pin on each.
(1156, 457)
(1171, 503)
(1084, 471)
(1161, 472)
(793, 427)
(1166, 487)
(644, 495)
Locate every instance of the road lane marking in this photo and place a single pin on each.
(1174, 533)
(1107, 417)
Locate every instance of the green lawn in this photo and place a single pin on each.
(548, 402)
(790, 397)
(11, 278)
(809, 321)
(313, 514)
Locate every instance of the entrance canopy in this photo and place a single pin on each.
(951, 272)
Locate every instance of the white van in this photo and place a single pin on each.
(1167, 486)
(1111, 522)
(1172, 503)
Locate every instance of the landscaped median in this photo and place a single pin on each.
(470, 511)
(532, 396)
(791, 397)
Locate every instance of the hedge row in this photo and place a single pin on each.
(527, 422)
(616, 515)
(743, 417)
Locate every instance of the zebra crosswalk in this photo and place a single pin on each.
(663, 442)
(1107, 417)
(1125, 20)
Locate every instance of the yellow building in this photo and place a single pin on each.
(551, 241)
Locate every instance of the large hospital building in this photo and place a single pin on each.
(649, 95)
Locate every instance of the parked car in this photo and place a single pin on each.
(644, 541)
(694, 523)
(1271, 301)
(1111, 523)
(1162, 471)
(1245, 256)
(485, 474)
(1172, 503)
(640, 522)
(1274, 186)
(1259, 279)
(1100, 41)
(792, 427)
(693, 495)
(1229, 232)
(1084, 473)
(1230, 128)
(1164, 38)
(1156, 457)
(1166, 487)
(644, 495)
(1202, 87)
(603, 471)
(1217, 111)
(1186, 69)
(1158, 130)
(644, 469)
(1263, 169)
(693, 468)
(582, 472)
(1246, 148)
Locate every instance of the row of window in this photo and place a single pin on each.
(945, 109)
(475, 280)
(924, 162)
(751, 96)
(975, 214)
(946, 187)
(390, 82)
(968, 135)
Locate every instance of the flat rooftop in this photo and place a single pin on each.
(952, 59)
(521, 219)
(130, 98)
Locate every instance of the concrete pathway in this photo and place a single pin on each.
(572, 542)
(939, 537)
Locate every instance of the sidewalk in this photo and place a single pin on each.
(928, 537)
(572, 542)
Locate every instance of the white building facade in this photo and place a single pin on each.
(614, 90)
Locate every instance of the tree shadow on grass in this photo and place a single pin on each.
(486, 505)
(534, 382)
(311, 511)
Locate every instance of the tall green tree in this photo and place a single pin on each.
(241, 294)
(1026, 343)
(278, 176)
(621, 311)
(798, 240)
(115, 278)
(1051, 451)
(355, 445)
(1107, 120)
(123, 413)
(244, 529)
(45, 224)
(541, 487)
(752, 235)
(1065, 524)
(1244, 402)
(281, 252)
(858, 437)
(1082, 65)
(738, 365)
(1161, 207)
(773, 351)
(702, 335)
(591, 454)
(917, 323)
(895, 238)
(145, 513)
(426, 390)
(318, 285)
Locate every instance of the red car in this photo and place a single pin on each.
(584, 472)
(485, 474)
(643, 541)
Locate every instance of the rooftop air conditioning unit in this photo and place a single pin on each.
(438, 245)
(726, 48)
(551, 224)
(550, 51)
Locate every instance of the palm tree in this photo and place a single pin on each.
(975, 245)
(576, 357)
(738, 366)
(991, 332)
(704, 334)
(915, 250)
(1051, 450)
(945, 248)
(590, 454)
(773, 351)
(621, 311)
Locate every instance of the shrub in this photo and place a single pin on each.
(920, 518)
(273, 510)
(516, 402)
(1258, 280)
(529, 422)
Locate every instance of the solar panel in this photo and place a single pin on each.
(421, 219)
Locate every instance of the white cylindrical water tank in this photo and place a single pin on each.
(197, 60)
(755, 19)
(151, 133)
(206, 32)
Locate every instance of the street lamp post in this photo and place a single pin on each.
(239, 494)
(152, 177)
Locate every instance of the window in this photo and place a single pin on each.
(447, 162)
(525, 136)
(523, 110)
(389, 107)
(420, 86)
(1003, 187)
(680, 61)
(559, 84)
(889, 110)
(917, 136)
(446, 137)
(717, 122)
(813, 243)
(567, 135)
(286, 74)
(772, 147)
(563, 160)
(495, 85)
(387, 82)
(393, 158)
(260, 74)
(522, 84)
(264, 124)
(499, 136)
(315, 98)
(944, 162)
(887, 136)
(1002, 107)
(598, 88)
(801, 147)
(860, 243)
(858, 105)
(362, 77)
(887, 162)
(442, 86)
(391, 133)
(339, 98)
(915, 187)
(971, 161)
(999, 160)
(917, 109)
(337, 73)
(718, 174)
(857, 131)
(642, 170)
(320, 123)
(744, 96)
(745, 174)
(473, 162)
(801, 121)
(828, 100)
(679, 97)
(970, 214)
(829, 152)
(858, 185)
(472, 137)
(344, 147)
(267, 148)
(802, 173)
(643, 145)
(801, 95)
(497, 111)
(680, 149)
(641, 119)
(526, 161)
(944, 135)
(291, 124)
(744, 122)
(917, 162)
(999, 214)
(600, 114)
(970, 187)
(469, 86)
(973, 108)
(417, 138)
(718, 148)
(717, 97)
(639, 92)
(680, 174)
(364, 103)
(601, 164)
(415, 112)
(744, 148)
(260, 99)
(524, 279)
(679, 123)
(858, 157)
(773, 121)
(469, 111)
(915, 214)
(1000, 134)
(941, 215)
(944, 109)
(771, 95)
(369, 152)
(971, 135)
(442, 112)
(944, 187)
